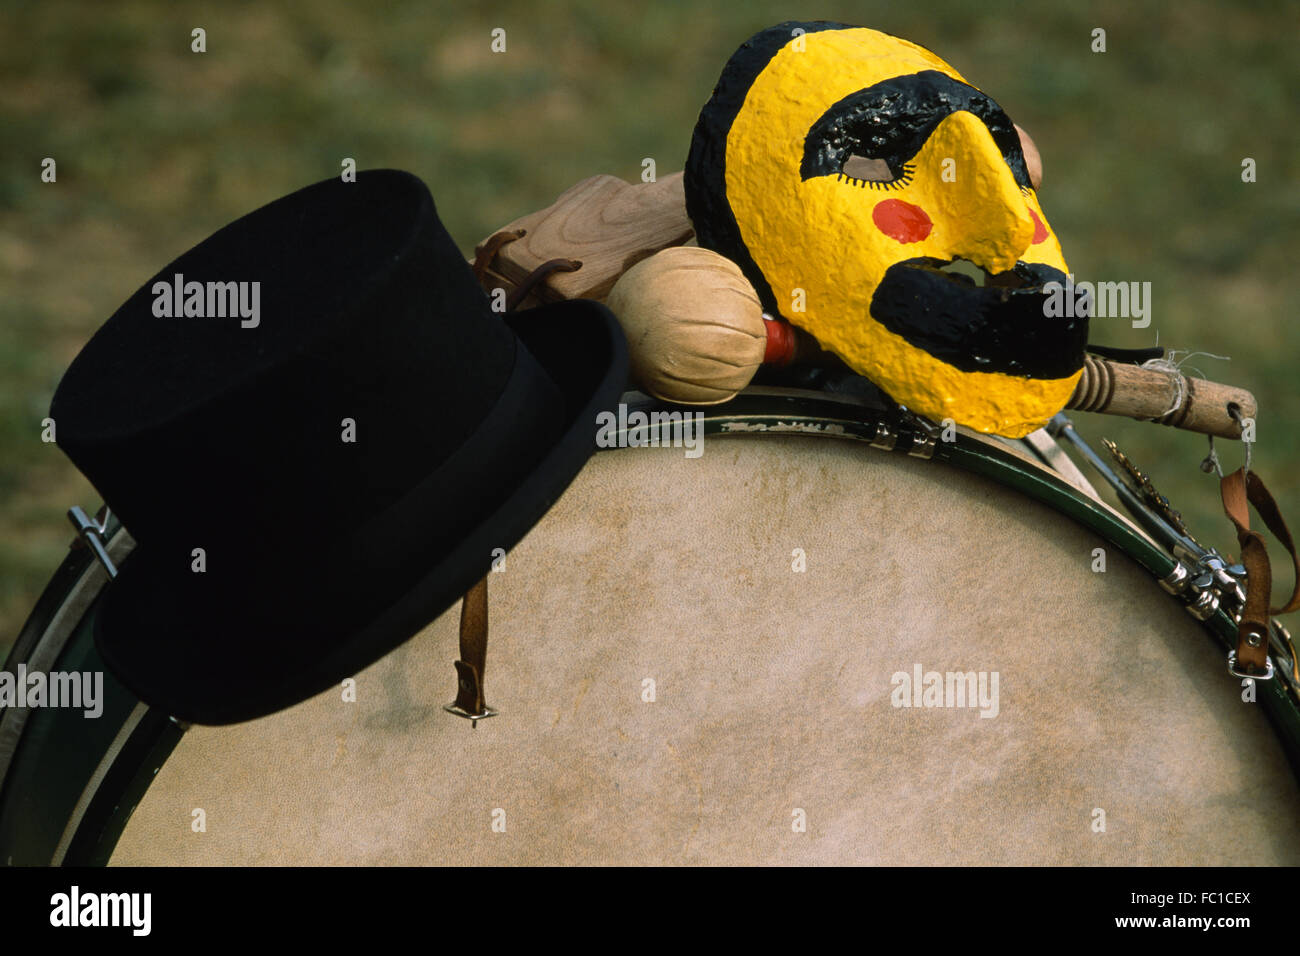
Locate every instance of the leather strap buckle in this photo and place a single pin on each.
(1239, 491)
(1249, 675)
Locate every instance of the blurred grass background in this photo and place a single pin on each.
(158, 146)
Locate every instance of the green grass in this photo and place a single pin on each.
(158, 146)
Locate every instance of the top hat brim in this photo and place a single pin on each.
(197, 659)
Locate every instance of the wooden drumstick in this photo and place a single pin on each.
(1114, 388)
(697, 336)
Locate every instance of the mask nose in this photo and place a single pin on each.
(983, 214)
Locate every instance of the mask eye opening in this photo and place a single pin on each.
(870, 170)
(875, 173)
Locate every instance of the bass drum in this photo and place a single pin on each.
(700, 661)
(705, 661)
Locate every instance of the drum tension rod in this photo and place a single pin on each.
(92, 532)
(1201, 578)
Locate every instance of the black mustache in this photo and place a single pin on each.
(975, 329)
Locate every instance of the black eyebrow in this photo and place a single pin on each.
(892, 120)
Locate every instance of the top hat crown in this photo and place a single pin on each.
(319, 400)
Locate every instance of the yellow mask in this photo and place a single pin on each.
(841, 169)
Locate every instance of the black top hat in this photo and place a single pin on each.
(348, 449)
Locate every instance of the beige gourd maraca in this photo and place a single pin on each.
(695, 328)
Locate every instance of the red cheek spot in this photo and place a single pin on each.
(1040, 231)
(901, 220)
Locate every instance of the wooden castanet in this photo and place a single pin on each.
(604, 223)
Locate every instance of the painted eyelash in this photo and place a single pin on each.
(909, 171)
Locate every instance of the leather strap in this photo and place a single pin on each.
(537, 277)
(473, 655)
(1239, 490)
(470, 702)
(488, 251)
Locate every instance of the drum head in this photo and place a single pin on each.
(674, 688)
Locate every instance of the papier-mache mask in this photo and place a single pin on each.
(842, 169)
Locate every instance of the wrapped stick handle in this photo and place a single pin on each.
(1115, 388)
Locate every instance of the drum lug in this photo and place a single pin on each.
(92, 532)
(923, 446)
(1214, 575)
(1203, 606)
(925, 434)
(1225, 578)
(885, 438)
(1177, 579)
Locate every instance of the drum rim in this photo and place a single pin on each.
(756, 411)
(47, 634)
(48, 628)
